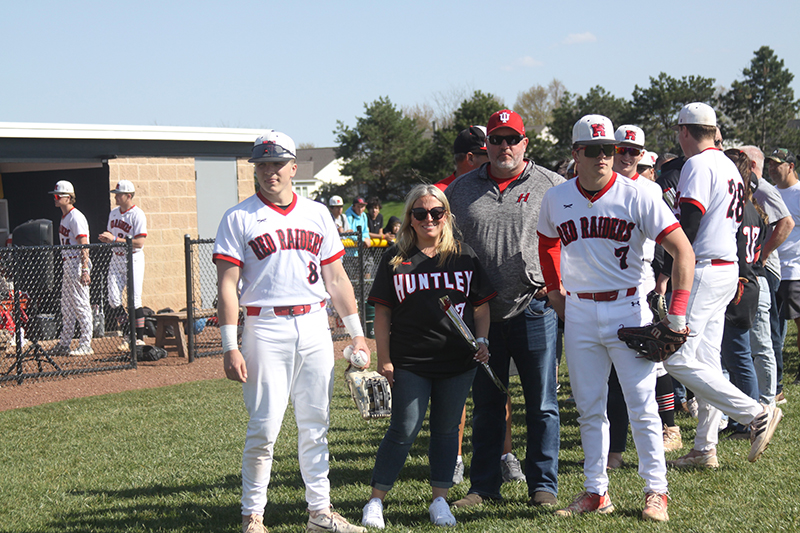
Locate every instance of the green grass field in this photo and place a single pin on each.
(169, 460)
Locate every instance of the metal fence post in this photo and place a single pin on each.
(131, 308)
(187, 255)
(362, 301)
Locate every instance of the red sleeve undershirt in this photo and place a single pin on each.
(550, 260)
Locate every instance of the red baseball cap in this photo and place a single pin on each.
(505, 119)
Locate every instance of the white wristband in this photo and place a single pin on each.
(228, 334)
(353, 325)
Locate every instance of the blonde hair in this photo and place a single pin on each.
(407, 238)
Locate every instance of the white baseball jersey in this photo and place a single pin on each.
(789, 250)
(710, 181)
(73, 225)
(131, 222)
(649, 248)
(280, 252)
(602, 239)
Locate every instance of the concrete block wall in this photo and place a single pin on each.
(165, 190)
(245, 178)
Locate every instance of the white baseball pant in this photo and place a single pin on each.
(698, 365)
(287, 357)
(118, 279)
(75, 304)
(591, 346)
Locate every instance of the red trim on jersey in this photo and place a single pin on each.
(121, 212)
(694, 203)
(68, 212)
(636, 176)
(275, 207)
(667, 231)
(710, 148)
(330, 260)
(503, 183)
(81, 235)
(483, 301)
(227, 258)
(442, 185)
(599, 193)
(374, 300)
(140, 235)
(550, 261)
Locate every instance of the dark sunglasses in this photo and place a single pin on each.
(510, 140)
(622, 150)
(420, 213)
(593, 150)
(718, 144)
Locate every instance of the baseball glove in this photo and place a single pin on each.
(658, 305)
(655, 342)
(370, 391)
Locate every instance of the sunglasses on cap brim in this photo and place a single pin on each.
(593, 150)
(420, 213)
(271, 152)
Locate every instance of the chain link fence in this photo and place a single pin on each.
(55, 319)
(203, 339)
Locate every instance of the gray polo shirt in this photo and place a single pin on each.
(771, 202)
(501, 228)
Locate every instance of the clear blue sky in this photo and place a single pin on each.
(300, 66)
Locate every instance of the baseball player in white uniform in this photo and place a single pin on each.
(711, 206)
(75, 306)
(591, 234)
(286, 251)
(126, 220)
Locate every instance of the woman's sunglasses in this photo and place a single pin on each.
(421, 213)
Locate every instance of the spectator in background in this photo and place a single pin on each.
(357, 217)
(647, 165)
(375, 218)
(782, 172)
(780, 224)
(392, 229)
(469, 152)
(335, 206)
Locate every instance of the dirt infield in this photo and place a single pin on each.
(168, 371)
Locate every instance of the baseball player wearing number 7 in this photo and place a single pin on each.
(592, 231)
(710, 197)
(286, 251)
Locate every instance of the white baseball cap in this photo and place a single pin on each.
(335, 201)
(593, 129)
(273, 146)
(630, 135)
(697, 113)
(63, 187)
(124, 186)
(648, 159)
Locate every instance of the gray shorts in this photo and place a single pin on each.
(789, 299)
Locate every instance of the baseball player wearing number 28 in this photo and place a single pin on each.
(287, 253)
(710, 199)
(592, 231)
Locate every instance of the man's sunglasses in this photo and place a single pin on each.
(510, 140)
(593, 150)
(420, 213)
(622, 150)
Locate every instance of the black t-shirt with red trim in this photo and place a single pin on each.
(423, 340)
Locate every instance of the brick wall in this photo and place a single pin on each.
(165, 190)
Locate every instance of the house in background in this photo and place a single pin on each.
(317, 167)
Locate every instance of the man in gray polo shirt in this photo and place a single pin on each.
(497, 210)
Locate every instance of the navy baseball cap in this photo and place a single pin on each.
(470, 140)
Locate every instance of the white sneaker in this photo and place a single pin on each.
(458, 474)
(333, 522)
(440, 513)
(691, 404)
(761, 431)
(82, 350)
(511, 469)
(373, 514)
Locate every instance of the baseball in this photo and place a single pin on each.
(358, 359)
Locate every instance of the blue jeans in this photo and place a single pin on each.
(530, 339)
(761, 346)
(410, 395)
(738, 361)
(778, 328)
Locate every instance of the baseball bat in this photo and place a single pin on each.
(450, 312)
